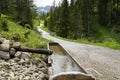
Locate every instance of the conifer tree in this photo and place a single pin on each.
(64, 21)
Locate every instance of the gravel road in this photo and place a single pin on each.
(101, 62)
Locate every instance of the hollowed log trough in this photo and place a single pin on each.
(64, 66)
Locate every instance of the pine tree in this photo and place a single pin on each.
(24, 11)
(64, 21)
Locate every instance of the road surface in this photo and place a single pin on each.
(101, 62)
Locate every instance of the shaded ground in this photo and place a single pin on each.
(103, 63)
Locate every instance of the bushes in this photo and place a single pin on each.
(3, 25)
(111, 43)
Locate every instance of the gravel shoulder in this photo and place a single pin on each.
(101, 62)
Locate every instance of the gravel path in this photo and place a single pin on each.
(101, 62)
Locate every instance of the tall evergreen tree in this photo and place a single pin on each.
(24, 11)
(64, 21)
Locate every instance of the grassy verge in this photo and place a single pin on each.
(28, 37)
(110, 43)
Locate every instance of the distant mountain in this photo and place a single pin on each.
(43, 9)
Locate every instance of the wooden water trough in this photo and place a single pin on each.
(64, 66)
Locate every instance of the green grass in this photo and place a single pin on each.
(33, 39)
(45, 28)
(109, 42)
(36, 23)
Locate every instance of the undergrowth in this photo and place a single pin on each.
(27, 36)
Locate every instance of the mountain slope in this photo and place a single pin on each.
(43, 9)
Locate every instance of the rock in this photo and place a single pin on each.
(11, 61)
(4, 55)
(5, 46)
(46, 77)
(45, 58)
(25, 55)
(40, 65)
(33, 61)
(16, 59)
(2, 73)
(6, 65)
(21, 77)
(6, 41)
(3, 78)
(45, 70)
(22, 61)
(35, 75)
(26, 73)
(16, 45)
(18, 54)
(27, 78)
(42, 75)
(27, 61)
(1, 40)
(12, 75)
(12, 53)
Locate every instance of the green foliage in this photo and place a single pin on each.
(26, 36)
(3, 25)
(28, 26)
(16, 37)
(111, 43)
(23, 10)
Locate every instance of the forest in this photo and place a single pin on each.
(94, 20)
(23, 11)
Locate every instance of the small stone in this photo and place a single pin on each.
(27, 61)
(36, 75)
(21, 61)
(45, 70)
(18, 54)
(6, 41)
(1, 40)
(42, 75)
(5, 45)
(25, 55)
(40, 65)
(16, 59)
(16, 45)
(21, 77)
(27, 78)
(33, 61)
(4, 55)
(12, 52)
(6, 65)
(2, 73)
(25, 73)
(46, 77)
(3, 78)
(45, 58)
(12, 75)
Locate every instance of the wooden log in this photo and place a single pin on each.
(33, 50)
